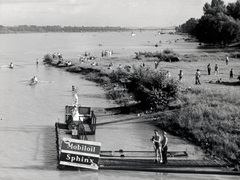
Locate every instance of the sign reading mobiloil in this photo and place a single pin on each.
(79, 153)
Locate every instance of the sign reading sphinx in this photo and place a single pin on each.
(79, 153)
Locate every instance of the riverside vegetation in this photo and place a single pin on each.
(206, 114)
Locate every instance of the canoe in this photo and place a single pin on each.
(33, 83)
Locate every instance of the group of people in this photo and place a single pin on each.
(209, 68)
(57, 55)
(160, 146)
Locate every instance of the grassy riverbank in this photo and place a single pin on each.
(206, 114)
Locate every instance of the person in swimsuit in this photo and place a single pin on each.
(75, 98)
(75, 113)
(164, 147)
(180, 75)
(156, 139)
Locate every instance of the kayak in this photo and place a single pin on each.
(33, 83)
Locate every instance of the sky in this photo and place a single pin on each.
(124, 13)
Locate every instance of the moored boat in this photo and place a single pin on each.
(133, 34)
(73, 147)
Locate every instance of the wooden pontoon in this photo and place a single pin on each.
(178, 161)
(138, 154)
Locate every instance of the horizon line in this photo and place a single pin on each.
(128, 27)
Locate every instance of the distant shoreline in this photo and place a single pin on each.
(75, 29)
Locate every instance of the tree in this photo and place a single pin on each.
(233, 9)
(189, 26)
(217, 29)
(216, 6)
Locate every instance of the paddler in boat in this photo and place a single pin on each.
(11, 65)
(34, 80)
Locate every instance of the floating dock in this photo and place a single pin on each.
(173, 166)
(144, 160)
(178, 161)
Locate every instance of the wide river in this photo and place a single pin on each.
(28, 113)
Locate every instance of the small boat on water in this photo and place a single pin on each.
(11, 65)
(73, 147)
(33, 83)
(133, 34)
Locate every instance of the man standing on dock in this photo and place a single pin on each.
(156, 139)
(164, 148)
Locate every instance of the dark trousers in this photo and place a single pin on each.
(209, 71)
(164, 154)
(198, 80)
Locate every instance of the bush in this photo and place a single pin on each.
(168, 51)
(207, 120)
(235, 55)
(167, 55)
(153, 89)
(48, 58)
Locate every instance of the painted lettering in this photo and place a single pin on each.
(80, 159)
(82, 147)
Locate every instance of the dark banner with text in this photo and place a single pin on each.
(79, 153)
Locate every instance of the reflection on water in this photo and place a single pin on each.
(28, 113)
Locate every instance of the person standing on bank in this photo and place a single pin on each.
(231, 74)
(156, 139)
(164, 148)
(227, 59)
(209, 67)
(216, 69)
(197, 76)
(180, 75)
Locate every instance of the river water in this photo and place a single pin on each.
(28, 113)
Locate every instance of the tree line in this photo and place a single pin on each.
(57, 28)
(219, 25)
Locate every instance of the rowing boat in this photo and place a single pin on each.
(33, 83)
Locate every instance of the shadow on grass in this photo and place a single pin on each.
(227, 83)
(213, 49)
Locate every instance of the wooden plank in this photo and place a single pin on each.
(122, 154)
(147, 163)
